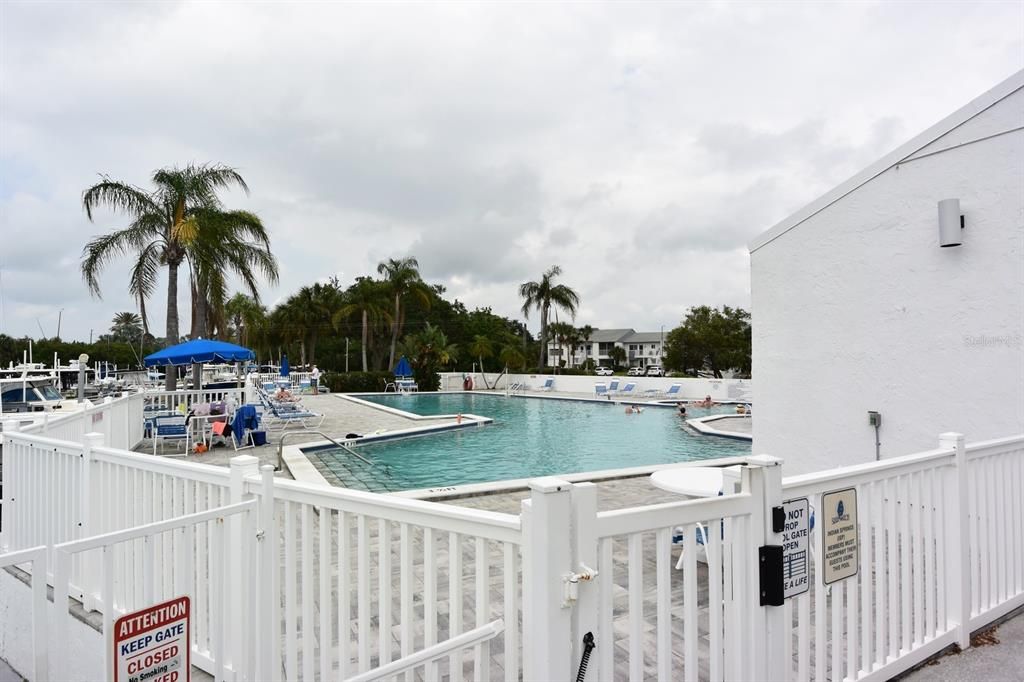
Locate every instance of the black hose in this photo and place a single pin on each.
(588, 646)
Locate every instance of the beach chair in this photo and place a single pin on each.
(627, 390)
(548, 385)
(295, 413)
(170, 427)
(403, 385)
(613, 387)
(601, 390)
(673, 392)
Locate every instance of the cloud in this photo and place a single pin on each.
(639, 147)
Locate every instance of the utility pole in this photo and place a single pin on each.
(59, 316)
(90, 337)
(346, 355)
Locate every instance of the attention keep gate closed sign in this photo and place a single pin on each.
(152, 645)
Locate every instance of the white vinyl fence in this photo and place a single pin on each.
(344, 582)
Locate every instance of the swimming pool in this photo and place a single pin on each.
(528, 437)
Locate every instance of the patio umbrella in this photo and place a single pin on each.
(284, 366)
(199, 351)
(402, 369)
(196, 353)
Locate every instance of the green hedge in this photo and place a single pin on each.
(356, 382)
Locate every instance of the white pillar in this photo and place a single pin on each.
(87, 523)
(235, 618)
(958, 549)
(769, 626)
(547, 624)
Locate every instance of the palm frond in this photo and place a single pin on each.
(119, 196)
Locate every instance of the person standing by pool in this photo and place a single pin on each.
(314, 379)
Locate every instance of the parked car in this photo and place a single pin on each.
(635, 371)
(603, 371)
(654, 371)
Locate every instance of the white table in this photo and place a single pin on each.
(696, 481)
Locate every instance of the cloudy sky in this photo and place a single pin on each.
(639, 146)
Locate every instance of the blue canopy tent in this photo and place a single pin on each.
(198, 352)
(402, 369)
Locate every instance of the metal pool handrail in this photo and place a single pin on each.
(280, 447)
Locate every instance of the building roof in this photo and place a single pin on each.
(609, 335)
(951, 122)
(643, 337)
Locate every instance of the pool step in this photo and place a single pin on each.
(348, 472)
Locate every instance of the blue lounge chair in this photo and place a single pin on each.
(627, 390)
(613, 386)
(601, 390)
(673, 391)
(548, 385)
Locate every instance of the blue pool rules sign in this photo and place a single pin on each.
(796, 533)
(152, 645)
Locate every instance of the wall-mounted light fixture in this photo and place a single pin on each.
(951, 223)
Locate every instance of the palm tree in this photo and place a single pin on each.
(364, 299)
(429, 351)
(226, 242)
(543, 295)
(403, 276)
(481, 347)
(512, 357)
(126, 326)
(165, 224)
(585, 332)
(245, 316)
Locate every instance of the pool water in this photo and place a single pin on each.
(529, 437)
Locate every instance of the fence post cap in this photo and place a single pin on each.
(244, 461)
(763, 461)
(951, 436)
(549, 484)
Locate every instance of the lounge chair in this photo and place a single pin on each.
(548, 385)
(627, 390)
(295, 413)
(613, 387)
(601, 390)
(673, 391)
(406, 385)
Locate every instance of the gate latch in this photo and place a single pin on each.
(773, 591)
(571, 584)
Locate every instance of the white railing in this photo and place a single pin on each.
(173, 400)
(941, 548)
(118, 419)
(476, 637)
(35, 557)
(294, 378)
(351, 556)
(222, 626)
(901, 607)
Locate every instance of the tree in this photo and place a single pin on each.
(585, 332)
(428, 351)
(403, 277)
(245, 316)
(562, 333)
(710, 339)
(225, 242)
(543, 295)
(482, 348)
(365, 299)
(126, 327)
(164, 225)
(512, 357)
(617, 355)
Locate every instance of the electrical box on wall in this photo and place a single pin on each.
(874, 418)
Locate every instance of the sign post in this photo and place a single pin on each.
(795, 547)
(840, 543)
(153, 645)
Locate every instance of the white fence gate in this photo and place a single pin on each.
(330, 583)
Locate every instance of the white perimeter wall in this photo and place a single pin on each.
(79, 657)
(737, 390)
(858, 308)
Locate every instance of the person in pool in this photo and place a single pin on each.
(682, 410)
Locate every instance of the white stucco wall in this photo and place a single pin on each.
(78, 657)
(724, 390)
(857, 308)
